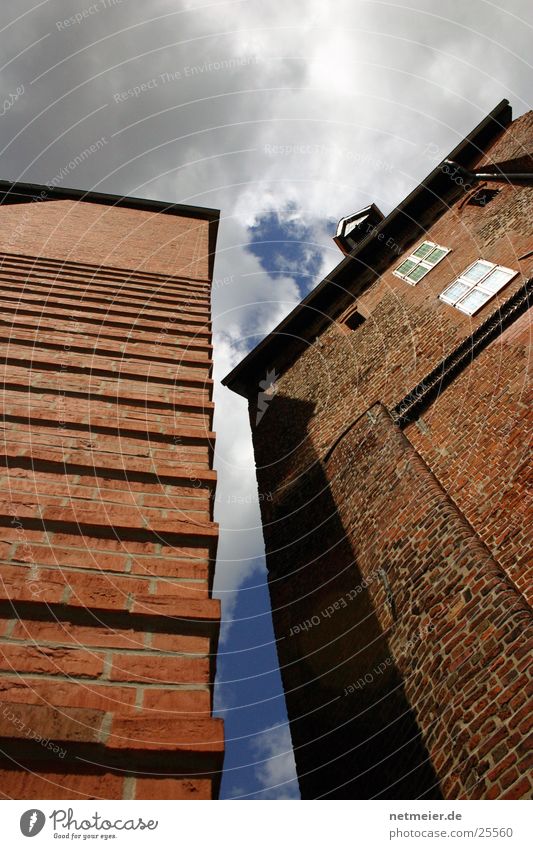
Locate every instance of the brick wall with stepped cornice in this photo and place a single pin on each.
(108, 631)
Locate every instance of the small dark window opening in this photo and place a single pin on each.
(354, 320)
(482, 197)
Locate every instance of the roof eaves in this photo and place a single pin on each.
(470, 147)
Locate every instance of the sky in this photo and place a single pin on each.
(286, 117)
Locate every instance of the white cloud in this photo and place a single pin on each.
(275, 769)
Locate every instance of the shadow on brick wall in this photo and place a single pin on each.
(354, 733)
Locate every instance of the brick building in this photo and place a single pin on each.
(108, 630)
(393, 440)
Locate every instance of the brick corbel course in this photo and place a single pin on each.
(37, 729)
(106, 609)
(124, 467)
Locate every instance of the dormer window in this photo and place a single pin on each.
(477, 285)
(417, 265)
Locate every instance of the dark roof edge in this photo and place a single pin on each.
(44, 192)
(473, 144)
(9, 191)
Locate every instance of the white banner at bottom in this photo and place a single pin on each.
(260, 825)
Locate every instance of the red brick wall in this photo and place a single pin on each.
(485, 466)
(464, 664)
(108, 630)
(131, 239)
(472, 439)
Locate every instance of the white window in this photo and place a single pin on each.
(477, 285)
(417, 265)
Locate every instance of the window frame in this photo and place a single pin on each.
(420, 262)
(476, 286)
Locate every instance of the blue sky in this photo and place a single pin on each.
(249, 694)
(285, 244)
